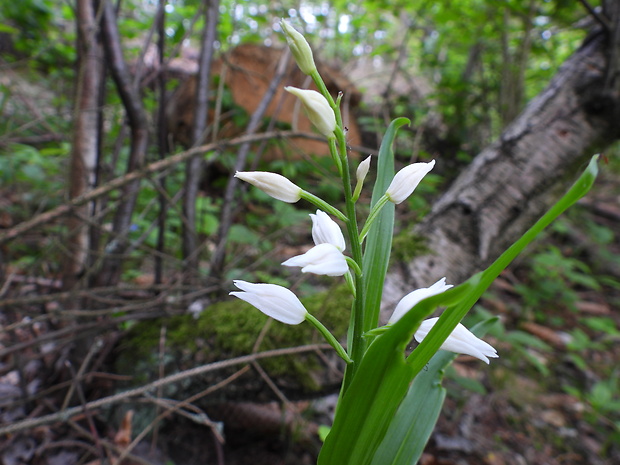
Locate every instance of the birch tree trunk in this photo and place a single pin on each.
(85, 146)
(517, 178)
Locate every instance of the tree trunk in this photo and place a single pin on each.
(193, 168)
(85, 140)
(136, 117)
(515, 180)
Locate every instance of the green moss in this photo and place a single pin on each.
(230, 329)
(406, 246)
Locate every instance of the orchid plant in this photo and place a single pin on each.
(388, 403)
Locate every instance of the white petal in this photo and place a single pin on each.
(275, 185)
(274, 301)
(460, 341)
(406, 180)
(317, 108)
(323, 259)
(326, 231)
(362, 170)
(411, 299)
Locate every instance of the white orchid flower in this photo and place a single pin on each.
(274, 301)
(326, 231)
(406, 180)
(460, 341)
(272, 184)
(411, 299)
(318, 110)
(322, 259)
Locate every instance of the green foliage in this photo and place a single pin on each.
(40, 28)
(367, 408)
(555, 278)
(33, 173)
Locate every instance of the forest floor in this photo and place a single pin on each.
(552, 398)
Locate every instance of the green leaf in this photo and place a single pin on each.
(379, 241)
(367, 408)
(477, 284)
(417, 415)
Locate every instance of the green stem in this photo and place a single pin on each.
(356, 333)
(323, 205)
(333, 150)
(353, 264)
(373, 216)
(329, 337)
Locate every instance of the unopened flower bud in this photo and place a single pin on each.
(275, 185)
(406, 180)
(318, 110)
(362, 170)
(299, 48)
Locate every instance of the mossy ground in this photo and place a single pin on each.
(230, 329)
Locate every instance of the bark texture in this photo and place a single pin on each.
(85, 144)
(515, 180)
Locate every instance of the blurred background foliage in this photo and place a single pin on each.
(461, 71)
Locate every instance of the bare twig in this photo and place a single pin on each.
(162, 139)
(65, 415)
(600, 19)
(177, 407)
(217, 260)
(138, 174)
(139, 140)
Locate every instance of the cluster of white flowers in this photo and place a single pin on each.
(327, 256)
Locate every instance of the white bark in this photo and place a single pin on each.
(514, 181)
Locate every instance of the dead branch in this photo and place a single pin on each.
(117, 183)
(66, 415)
(139, 139)
(217, 260)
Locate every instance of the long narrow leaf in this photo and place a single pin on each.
(417, 415)
(369, 405)
(481, 281)
(379, 241)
